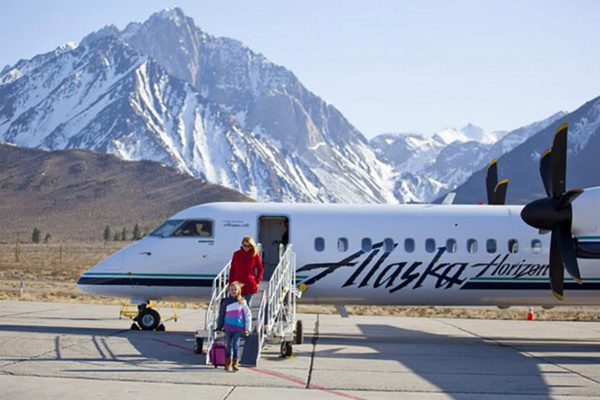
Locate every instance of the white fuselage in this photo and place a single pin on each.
(357, 254)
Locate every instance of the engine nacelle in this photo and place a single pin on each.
(586, 223)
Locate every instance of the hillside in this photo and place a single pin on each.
(164, 90)
(74, 194)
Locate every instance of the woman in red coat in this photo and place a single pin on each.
(246, 267)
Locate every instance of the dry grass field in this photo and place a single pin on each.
(49, 272)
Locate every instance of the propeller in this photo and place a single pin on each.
(496, 191)
(554, 213)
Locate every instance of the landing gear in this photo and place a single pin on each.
(286, 349)
(148, 319)
(299, 332)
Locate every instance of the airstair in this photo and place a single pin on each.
(273, 311)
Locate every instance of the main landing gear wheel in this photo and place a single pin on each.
(299, 332)
(286, 349)
(198, 345)
(148, 319)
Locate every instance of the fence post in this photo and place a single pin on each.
(21, 287)
(17, 255)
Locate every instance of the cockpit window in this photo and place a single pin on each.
(167, 228)
(194, 228)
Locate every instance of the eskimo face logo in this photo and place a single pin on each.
(375, 273)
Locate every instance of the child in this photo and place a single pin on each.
(235, 319)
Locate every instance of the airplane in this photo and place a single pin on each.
(418, 254)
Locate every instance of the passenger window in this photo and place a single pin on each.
(342, 245)
(472, 246)
(513, 246)
(536, 246)
(409, 245)
(199, 228)
(366, 245)
(430, 245)
(388, 245)
(491, 246)
(451, 246)
(319, 244)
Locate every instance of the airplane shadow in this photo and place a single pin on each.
(139, 347)
(455, 365)
(458, 365)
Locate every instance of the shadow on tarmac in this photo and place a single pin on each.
(175, 347)
(463, 365)
(457, 365)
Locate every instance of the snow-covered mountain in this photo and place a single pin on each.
(521, 165)
(431, 166)
(166, 91)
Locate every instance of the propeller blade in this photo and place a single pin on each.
(559, 160)
(491, 180)
(500, 192)
(556, 270)
(545, 167)
(567, 198)
(567, 252)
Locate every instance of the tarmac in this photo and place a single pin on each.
(74, 351)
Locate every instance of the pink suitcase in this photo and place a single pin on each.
(216, 355)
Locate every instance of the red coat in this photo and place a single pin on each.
(247, 269)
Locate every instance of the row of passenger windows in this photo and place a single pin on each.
(471, 245)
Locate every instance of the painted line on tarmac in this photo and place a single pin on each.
(303, 384)
(270, 373)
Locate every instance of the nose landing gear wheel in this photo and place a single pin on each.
(148, 319)
(286, 349)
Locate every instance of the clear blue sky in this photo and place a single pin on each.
(410, 66)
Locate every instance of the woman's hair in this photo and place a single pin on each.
(239, 285)
(250, 241)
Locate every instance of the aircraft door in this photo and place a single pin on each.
(272, 231)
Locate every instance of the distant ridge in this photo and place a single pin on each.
(74, 194)
(521, 165)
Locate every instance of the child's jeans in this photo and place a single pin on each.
(233, 344)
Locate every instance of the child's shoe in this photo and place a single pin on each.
(228, 364)
(236, 364)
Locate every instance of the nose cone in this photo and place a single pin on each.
(96, 279)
